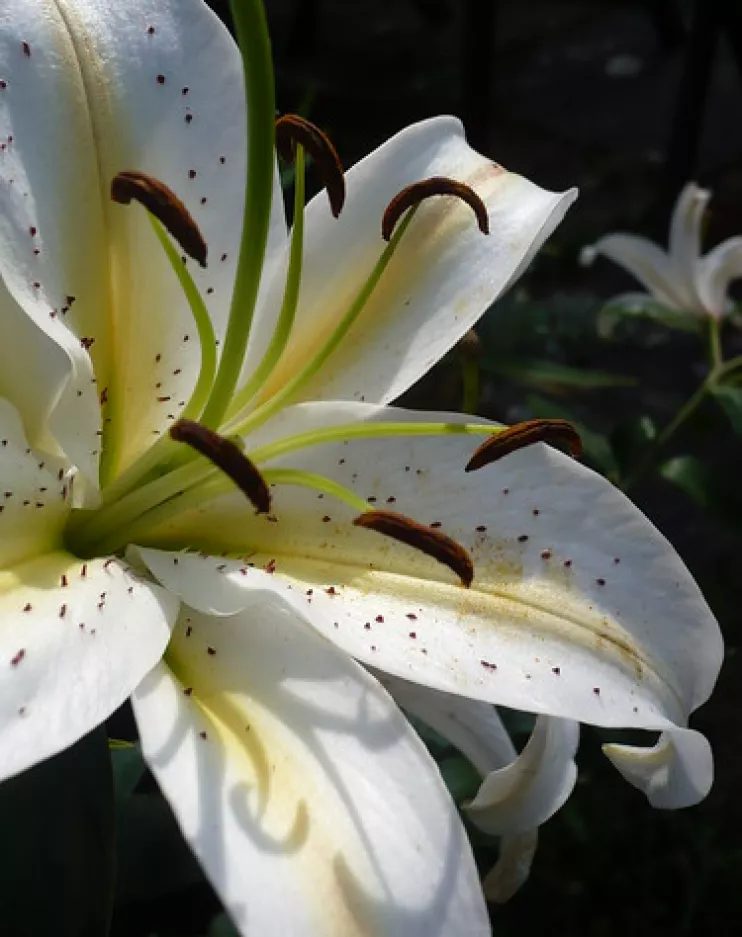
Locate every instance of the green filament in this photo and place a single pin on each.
(287, 314)
(254, 42)
(282, 397)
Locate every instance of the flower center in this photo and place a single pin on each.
(204, 456)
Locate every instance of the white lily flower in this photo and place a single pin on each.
(679, 278)
(282, 757)
(519, 792)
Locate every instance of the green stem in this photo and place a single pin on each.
(720, 370)
(284, 396)
(470, 385)
(317, 483)
(287, 314)
(139, 529)
(684, 413)
(254, 41)
(370, 430)
(100, 524)
(716, 357)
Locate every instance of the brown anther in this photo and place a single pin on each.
(165, 205)
(421, 537)
(292, 130)
(525, 434)
(226, 456)
(437, 185)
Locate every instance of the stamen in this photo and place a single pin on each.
(436, 185)
(525, 434)
(226, 456)
(165, 205)
(292, 129)
(426, 539)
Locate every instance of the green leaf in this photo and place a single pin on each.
(221, 926)
(709, 486)
(690, 475)
(636, 306)
(630, 439)
(461, 779)
(729, 399)
(57, 867)
(548, 374)
(128, 770)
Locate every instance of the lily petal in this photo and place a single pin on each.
(645, 261)
(715, 272)
(51, 232)
(579, 607)
(475, 728)
(519, 792)
(512, 868)
(523, 795)
(160, 92)
(676, 772)
(285, 762)
(76, 637)
(442, 278)
(685, 239)
(75, 640)
(36, 495)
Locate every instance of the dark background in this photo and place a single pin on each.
(611, 96)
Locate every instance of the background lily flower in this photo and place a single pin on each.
(679, 278)
(282, 757)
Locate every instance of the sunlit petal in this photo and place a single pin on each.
(75, 640)
(285, 762)
(554, 621)
(161, 92)
(441, 280)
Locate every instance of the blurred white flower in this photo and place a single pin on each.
(679, 278)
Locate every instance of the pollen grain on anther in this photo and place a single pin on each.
(164, 204)
(413, 194)
(432, 542)
(292, 130)
(227, 456)
(521, 435)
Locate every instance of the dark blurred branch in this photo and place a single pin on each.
(305, 27)
(690, 104)
(477, 82)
